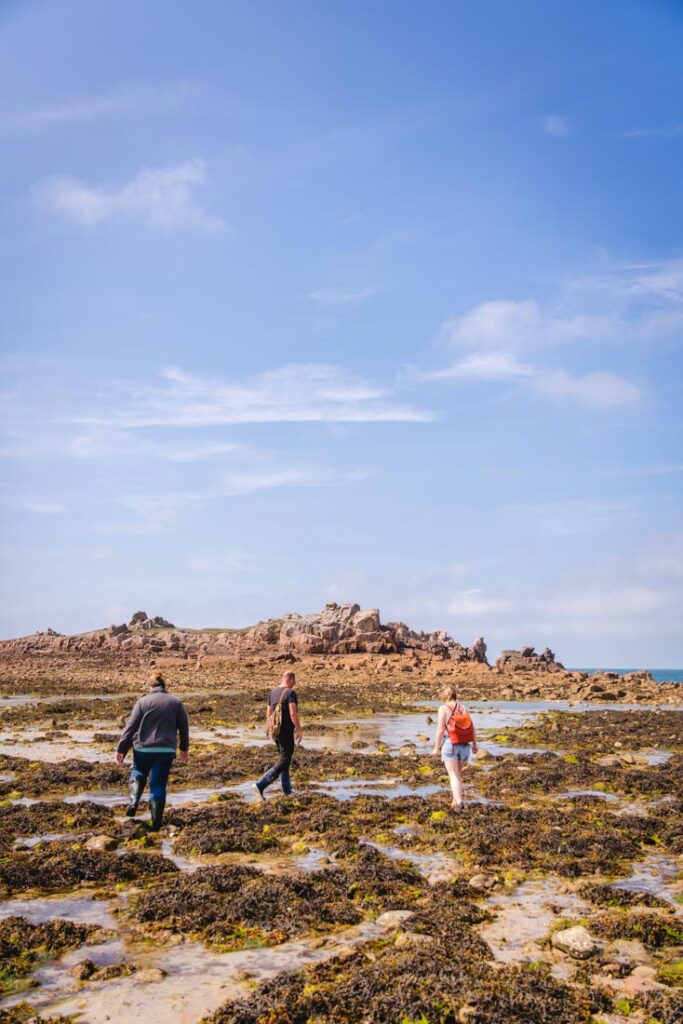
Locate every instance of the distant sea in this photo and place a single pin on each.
(660, 675)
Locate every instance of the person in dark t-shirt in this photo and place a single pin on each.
(288, 736)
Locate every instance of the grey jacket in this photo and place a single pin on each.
(155, 721)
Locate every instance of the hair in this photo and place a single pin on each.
(449, 693)
(157, 679)
(289, 675)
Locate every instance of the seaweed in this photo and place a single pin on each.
(439, 983)
(54, 867)
(24, 945)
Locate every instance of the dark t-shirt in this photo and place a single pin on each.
(289, 698)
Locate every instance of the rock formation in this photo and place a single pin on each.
(528, 660)
(337, 629)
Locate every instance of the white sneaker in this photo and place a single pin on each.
(259, 794)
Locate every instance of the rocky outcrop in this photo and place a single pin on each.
(338, 629)
(527, 660)
(350, 629)
(143, 621)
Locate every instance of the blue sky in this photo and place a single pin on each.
(345, 301)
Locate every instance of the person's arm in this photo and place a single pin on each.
(440, 729)
(269, 719)
(475, 745)
(296, 721)
(128, 733)
(184, 732)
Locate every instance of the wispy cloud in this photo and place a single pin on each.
(670, 131)
(127, 99)
(556, 125)
(145, 512)
(600, 390)
(163, 197)
(42, 508)
(482, 366)
(298, 393)
(168, 434)
(573, 517)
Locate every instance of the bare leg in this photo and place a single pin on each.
(455, 778)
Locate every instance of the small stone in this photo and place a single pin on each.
(393, 918)
(467, 1014)
(100, 844)
(413, 939)
(641, 979)
(480, 882)
(576, 941)
(151, 974)
(83, 970)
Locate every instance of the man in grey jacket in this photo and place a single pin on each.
(152, 730)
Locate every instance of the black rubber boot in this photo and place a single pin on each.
(136, 787)
(156, 808)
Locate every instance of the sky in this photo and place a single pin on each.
(346, 301)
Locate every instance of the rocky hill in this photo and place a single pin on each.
(337, 629)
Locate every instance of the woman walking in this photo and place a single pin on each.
(152, 730)
(455, 738)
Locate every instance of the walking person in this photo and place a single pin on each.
(156, 722)
(284, 726)
(455, 738)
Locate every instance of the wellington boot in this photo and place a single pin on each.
(136, 787)
(156, 808)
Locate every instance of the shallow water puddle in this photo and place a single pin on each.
(347, 789)
(524, 918)
(197, 981)
(28, 842)
(80, 907)
(54, 751)
(599, 794)
(436, 867)
(654, 876)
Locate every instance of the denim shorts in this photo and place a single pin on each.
(455, 751)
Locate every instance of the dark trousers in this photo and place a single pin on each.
(156, 767)
(285, 748)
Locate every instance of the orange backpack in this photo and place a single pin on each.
(459, 727)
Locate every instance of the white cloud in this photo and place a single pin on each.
(508, 325)
(557, 126)
(656, 282)
(484, 366)
(127, 99)
(163, 197)
(298, 393)
(600, 391)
